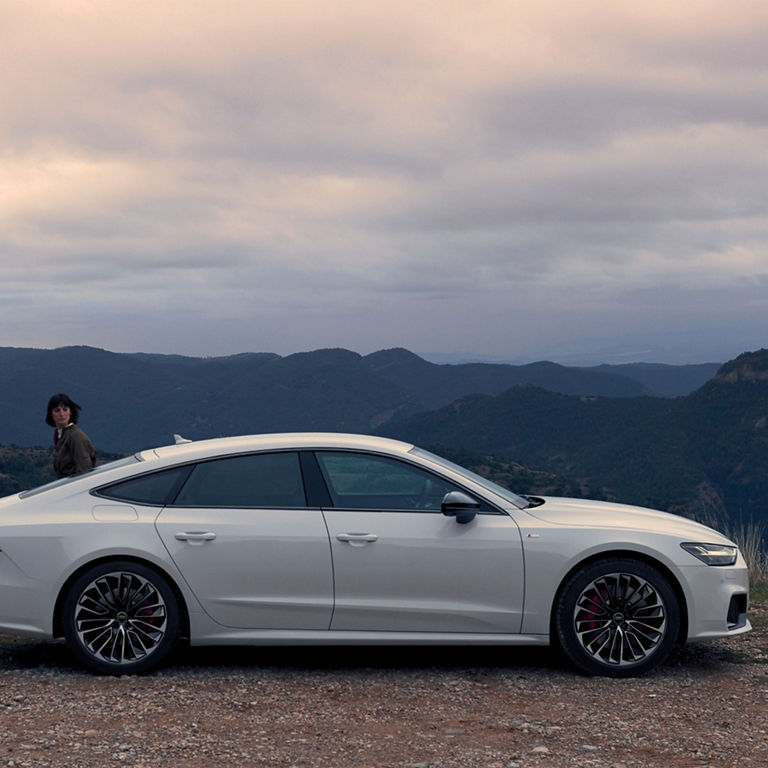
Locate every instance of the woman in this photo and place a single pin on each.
(73, 452)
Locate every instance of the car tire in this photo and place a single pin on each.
(120, 618)
(617, 617)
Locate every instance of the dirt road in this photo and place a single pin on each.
(378, 707)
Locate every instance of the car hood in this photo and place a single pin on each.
(604, 514)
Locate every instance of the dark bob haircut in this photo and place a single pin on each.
(61, 399)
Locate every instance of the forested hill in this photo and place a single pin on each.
(24, 468)
(134, 401)
(704, 454)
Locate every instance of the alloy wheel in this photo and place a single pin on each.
(121, 617)
(620, 619)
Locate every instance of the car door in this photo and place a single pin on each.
(401, 565)
(254, 554)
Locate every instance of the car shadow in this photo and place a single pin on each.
(17, 653)
(380, 658)
(24, 654)
(27, 654)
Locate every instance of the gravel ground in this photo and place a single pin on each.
(379, 707)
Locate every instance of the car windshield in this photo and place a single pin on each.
(499, 490)
(95, 471)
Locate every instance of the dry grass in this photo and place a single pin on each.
(751, 538)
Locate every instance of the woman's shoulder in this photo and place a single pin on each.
(76, 432)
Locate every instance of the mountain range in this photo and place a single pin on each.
(691, 439)
(703, 455)
(135, 401)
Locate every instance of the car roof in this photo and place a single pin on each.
(284, 440)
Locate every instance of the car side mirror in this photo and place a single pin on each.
(459, 505)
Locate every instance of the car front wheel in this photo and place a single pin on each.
(120, 618)
(617, 617)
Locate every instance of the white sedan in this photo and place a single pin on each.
(348, 539)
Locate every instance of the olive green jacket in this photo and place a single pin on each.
(73, 452)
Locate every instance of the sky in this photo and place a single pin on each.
(483, 179)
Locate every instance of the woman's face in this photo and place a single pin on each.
(61, 415)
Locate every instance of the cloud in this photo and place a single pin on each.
(495, 175)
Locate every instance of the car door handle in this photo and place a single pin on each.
(195, 537)
(358, 539)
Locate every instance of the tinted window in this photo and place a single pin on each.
(258, 480)
(499, 490)
(364, 481)
(147, 489)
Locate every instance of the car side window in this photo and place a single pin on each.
(256, 480)
(367, 481)
(154, 489)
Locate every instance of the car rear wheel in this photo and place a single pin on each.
(617, 617)
(120, 618)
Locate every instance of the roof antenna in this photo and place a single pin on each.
(178, 439)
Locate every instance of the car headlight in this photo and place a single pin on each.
(712, 554)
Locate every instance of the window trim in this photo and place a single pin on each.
(316, 492)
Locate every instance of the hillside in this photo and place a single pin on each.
(23, 468)
(134, 401)
(432, 385)
(705, 454)
(661, 379)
